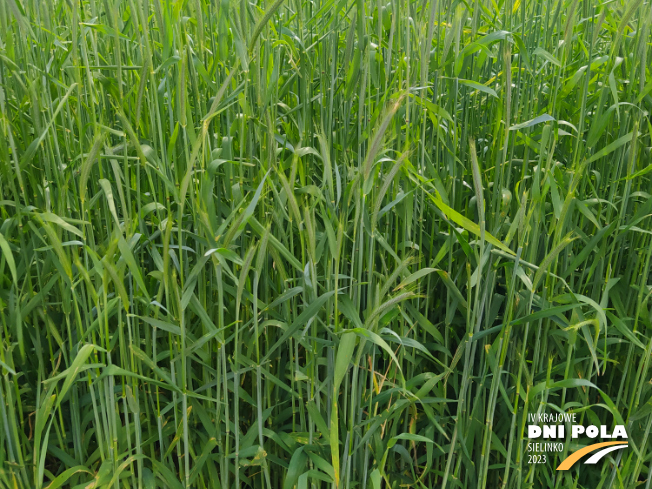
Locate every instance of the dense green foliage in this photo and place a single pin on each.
(338, 243)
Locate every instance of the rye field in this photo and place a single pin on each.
(322, 243)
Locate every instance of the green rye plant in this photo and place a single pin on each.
(322, 244)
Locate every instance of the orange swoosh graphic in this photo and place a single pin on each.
(571, 459)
